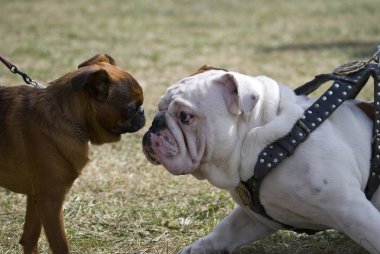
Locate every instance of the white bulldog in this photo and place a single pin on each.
(214, 124)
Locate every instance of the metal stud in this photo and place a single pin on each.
(269, 165)
(309, 111)
(344, 93)
(373, 174)
(349, 87)
(329, 92)
(294, 141)
(333, 106)
(275, 160)
(316, 105)
(319, 119)
(313, 124)
(262, 160)
(336, 85)
(280, 154)
(324, 98)
(264, 153)
(300, 134)
(327, 113)
(339, 100)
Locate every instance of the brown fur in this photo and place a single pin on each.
(40, 154)
(206, 67)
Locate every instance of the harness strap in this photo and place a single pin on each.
(343, 88)
(374, 177)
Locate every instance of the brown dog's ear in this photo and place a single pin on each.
(95, 81)
(98, 59)
(207, 68)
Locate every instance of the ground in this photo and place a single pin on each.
(123, 204)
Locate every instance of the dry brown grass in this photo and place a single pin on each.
(121, 203)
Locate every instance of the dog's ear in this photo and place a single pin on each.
(239, 94)
(206, 67)
(98, 59)
(95, 81)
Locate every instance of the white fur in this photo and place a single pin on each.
(319, 187)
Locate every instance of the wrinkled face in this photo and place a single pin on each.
(123, 107)
(196, 124)
(122, 111)
(115, 99)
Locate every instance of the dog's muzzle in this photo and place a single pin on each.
(134, 124)
(157, 126)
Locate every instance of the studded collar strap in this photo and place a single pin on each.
(374, 178)
(343, 88)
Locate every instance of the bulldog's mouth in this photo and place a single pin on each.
(167, 146)
(159, 142)
(150, 154)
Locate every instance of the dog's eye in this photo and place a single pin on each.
(130, 111)
(185, 117)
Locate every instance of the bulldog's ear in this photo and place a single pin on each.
(98, 59)
(240, 96)
(94, 81)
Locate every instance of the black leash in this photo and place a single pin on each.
(348, 79)
(25, 76)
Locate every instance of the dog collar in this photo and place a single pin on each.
(79, 132)
(349, 79)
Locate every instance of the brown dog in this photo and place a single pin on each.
(44, 136)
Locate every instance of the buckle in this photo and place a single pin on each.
(303, 126)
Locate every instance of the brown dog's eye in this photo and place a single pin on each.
(185, 117)
(130, 111)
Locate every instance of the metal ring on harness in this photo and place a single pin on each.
(350, 68)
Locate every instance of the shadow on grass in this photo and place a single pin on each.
(357, 49)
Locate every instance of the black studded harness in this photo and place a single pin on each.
(348, 80)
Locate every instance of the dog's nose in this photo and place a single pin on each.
(159, 122)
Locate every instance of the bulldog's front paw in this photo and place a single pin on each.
(202, 247)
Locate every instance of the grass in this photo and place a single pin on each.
(121, 203)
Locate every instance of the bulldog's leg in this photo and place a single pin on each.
(50, 210)
(32, 228)
(358, 219)
(236, 230)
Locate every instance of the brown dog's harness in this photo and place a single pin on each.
(348, 80)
